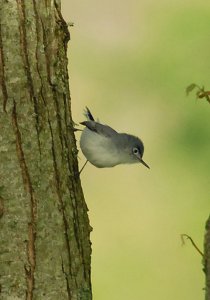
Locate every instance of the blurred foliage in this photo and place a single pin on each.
(130, 64)
(200, 91)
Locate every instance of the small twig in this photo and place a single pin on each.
(193, 243)
(70, 24)
(76, 129)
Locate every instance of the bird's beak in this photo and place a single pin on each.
(141, 161)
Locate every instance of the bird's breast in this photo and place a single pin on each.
(98, 149)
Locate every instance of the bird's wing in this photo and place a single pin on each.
(99, 128)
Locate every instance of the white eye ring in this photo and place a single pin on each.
(135, 151)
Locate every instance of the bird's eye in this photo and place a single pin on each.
(135, 151)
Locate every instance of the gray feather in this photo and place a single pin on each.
(104, 130)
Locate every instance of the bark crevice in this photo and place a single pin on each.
(30, 268)
(2, 75)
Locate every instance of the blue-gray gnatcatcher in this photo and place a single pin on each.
(104, 147)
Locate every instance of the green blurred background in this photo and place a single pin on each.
(130, 63)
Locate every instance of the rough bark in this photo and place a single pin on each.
(207, 258)
(44, 227)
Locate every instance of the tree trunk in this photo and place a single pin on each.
(44, 244)
(207, 258)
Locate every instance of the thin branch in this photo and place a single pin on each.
(183, 236)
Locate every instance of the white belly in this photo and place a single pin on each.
(99, 150)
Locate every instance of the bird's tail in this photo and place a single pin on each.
(88, 114)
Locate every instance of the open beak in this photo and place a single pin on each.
(141, 161)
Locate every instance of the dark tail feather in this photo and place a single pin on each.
(88, 114)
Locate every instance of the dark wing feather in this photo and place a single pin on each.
(99, 128)
(88, 114)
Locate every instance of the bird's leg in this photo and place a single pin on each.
(83, 167)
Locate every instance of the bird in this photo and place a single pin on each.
(104, 147)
